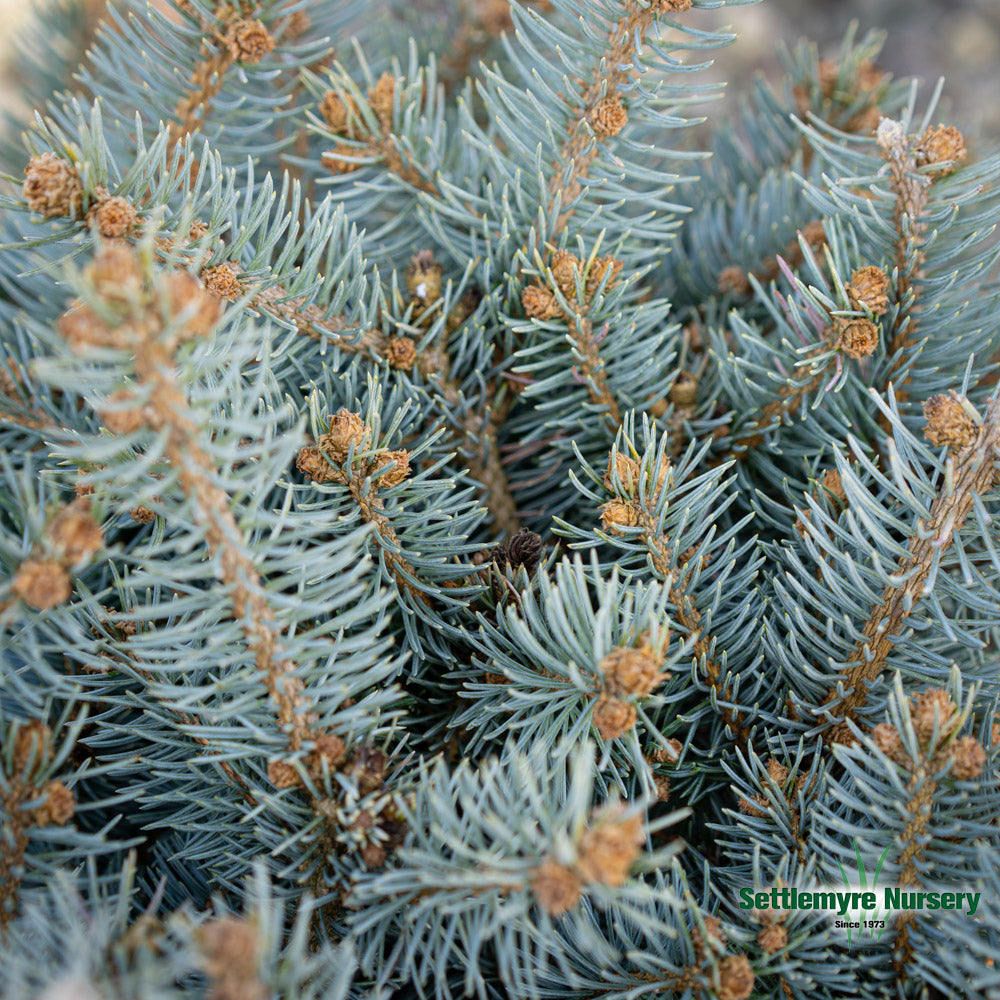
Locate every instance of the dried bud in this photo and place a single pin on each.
(715, 934)
(58, 808)
(126, 417)
(941, 145)
(684, 391)
(834, 485)
(967, 758)
(381, 97)
(565, 266)
(342, 116)
(932, 709)
(423, 277)
(222, 280)
(540, 303)
(556, 887)
(116, 273)
(613, 717)
(868, 289)
(229, 947)
(634, 672)
(188, 298)
(52, 186)
(282, 775)
(755, 806)
(777, 771)
(400, 462)
(401, 353)
(669, 6)
(249, 41)
(814, 234)
(373, 855)
(42, 584)
(313, 465)
(329, 748)
(773, 938)
(74, 534)
(600, 267)
(608, 849)
(857, 338)
(628, 471)
(736, 978)
(523, 548)
(31, 748)
(886, 738)
(347, 429)
(948, 424)
(616, 515)
(608, 117)
(142, 515)
(198, 231)
(367, 767)
(733, 280)
(114, 217)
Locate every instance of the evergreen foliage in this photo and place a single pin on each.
(460, 526)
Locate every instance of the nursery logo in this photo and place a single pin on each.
(859, 908)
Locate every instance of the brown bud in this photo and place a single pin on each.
(249, 40)
(31, 747)
(341, 115)
(736, 978)
(941, 145)
(733, 280)
(282, 775)
(58, 808)
(222, 280)
(423, 277)
(142, 514)
(313, 465)
(886, 738)
(932, 709)
(401, 353)
(186, 296)
(125, 420)
(381, 97)
(342, 159)
(74, 534)
(715, 934)
(684, 391)
(373, 855)
(967, 758)
(347, 429)
(834, 485)
(114, 217)
(565, 266)
(868, 289)
(857, 338)
(229, 947)
(635, 672)
(540, 303)
(773, 938)
(600, 267)
(613, 717)
(616, 515)
(608, 117)
(669, 6)
(948, 424)
(116, 273)
(329, 748)
(556, 887)
(52, 186)
(42, 584)
(608, 849)
(628, 470)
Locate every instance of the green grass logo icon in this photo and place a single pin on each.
(875, 925)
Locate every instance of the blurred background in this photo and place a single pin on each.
(957, 39)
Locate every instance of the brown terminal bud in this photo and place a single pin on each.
(52, 186)
(857, 338)
(74, 534)
(401, 353)
(613, 717)
(282, 775)
(58, 808)
(114, 217)
(42, 584)
(249, 40)
(736, 978)
(943, 145)
(556, 887)
(540, 303)
(948, 423)
(222, 280)
(610, 847)
(733, 280)
(967, 758)
(608, 117)
(868, 290)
